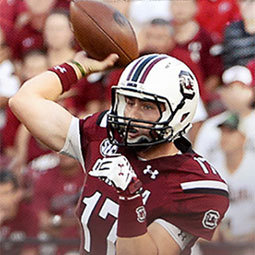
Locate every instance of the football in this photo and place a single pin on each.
(100, 30)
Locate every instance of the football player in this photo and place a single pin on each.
(147, 191)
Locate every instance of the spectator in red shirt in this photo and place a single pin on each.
(17, 219)
(14, 14)
(56, 203)
(214, 15)
(34, 62)
(11, 16)
(31, 159)
(29, 35)
(58, 37)
(190, 36)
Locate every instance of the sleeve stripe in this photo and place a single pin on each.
(207, 191)
(204, 185)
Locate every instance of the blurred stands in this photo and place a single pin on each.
(210, 36)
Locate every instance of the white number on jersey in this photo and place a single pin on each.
(109, 207)
(207, 168)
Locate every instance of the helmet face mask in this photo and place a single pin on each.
(156, 87)
(123, 125)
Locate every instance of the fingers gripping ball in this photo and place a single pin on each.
(118, 172)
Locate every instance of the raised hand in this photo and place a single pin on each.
(91, 65)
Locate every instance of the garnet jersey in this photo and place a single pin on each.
(183, 193)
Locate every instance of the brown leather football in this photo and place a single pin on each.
(100, 30)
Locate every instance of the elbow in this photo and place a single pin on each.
(18, 102)
(14, 102)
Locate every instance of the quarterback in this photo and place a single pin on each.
(146, 191)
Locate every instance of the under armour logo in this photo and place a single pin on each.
(148, 170)
(61, 69)
(182, 235)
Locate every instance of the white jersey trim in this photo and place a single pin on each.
(72, 146)
(182, 238)
(204, 184)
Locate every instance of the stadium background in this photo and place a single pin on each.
(35, 35)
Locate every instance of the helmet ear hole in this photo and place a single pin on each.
(184, 116)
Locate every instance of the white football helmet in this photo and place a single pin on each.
(161, 79)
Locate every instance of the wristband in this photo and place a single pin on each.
(66, 74)
(131, 218)
(80, 67)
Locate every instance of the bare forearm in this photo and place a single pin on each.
(34, 103)
(156, 241)
(34, 107)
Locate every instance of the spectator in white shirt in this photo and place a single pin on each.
(237, 95)
(9, 83)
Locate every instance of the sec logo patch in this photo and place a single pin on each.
(107, 149)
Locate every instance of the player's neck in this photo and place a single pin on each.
(158, 151)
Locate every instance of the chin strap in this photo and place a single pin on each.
(183, 144)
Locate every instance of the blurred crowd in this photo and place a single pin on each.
(39, 189)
